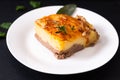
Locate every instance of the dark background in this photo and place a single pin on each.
(11, 69)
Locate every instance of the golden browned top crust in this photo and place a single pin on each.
(65, 27)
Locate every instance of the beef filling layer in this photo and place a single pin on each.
(61, 54)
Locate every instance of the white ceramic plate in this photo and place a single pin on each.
(26, 49)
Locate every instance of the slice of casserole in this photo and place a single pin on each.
(64, 35)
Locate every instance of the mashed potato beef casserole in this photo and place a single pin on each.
(64, 35)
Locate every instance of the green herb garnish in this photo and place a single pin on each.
(20, 7)
(5, 25)
(34, 4)
(61, 29)
(67, 9)
(2, 34)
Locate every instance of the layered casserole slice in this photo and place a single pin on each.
(64, 35)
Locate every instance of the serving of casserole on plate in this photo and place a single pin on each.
(64, 35)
